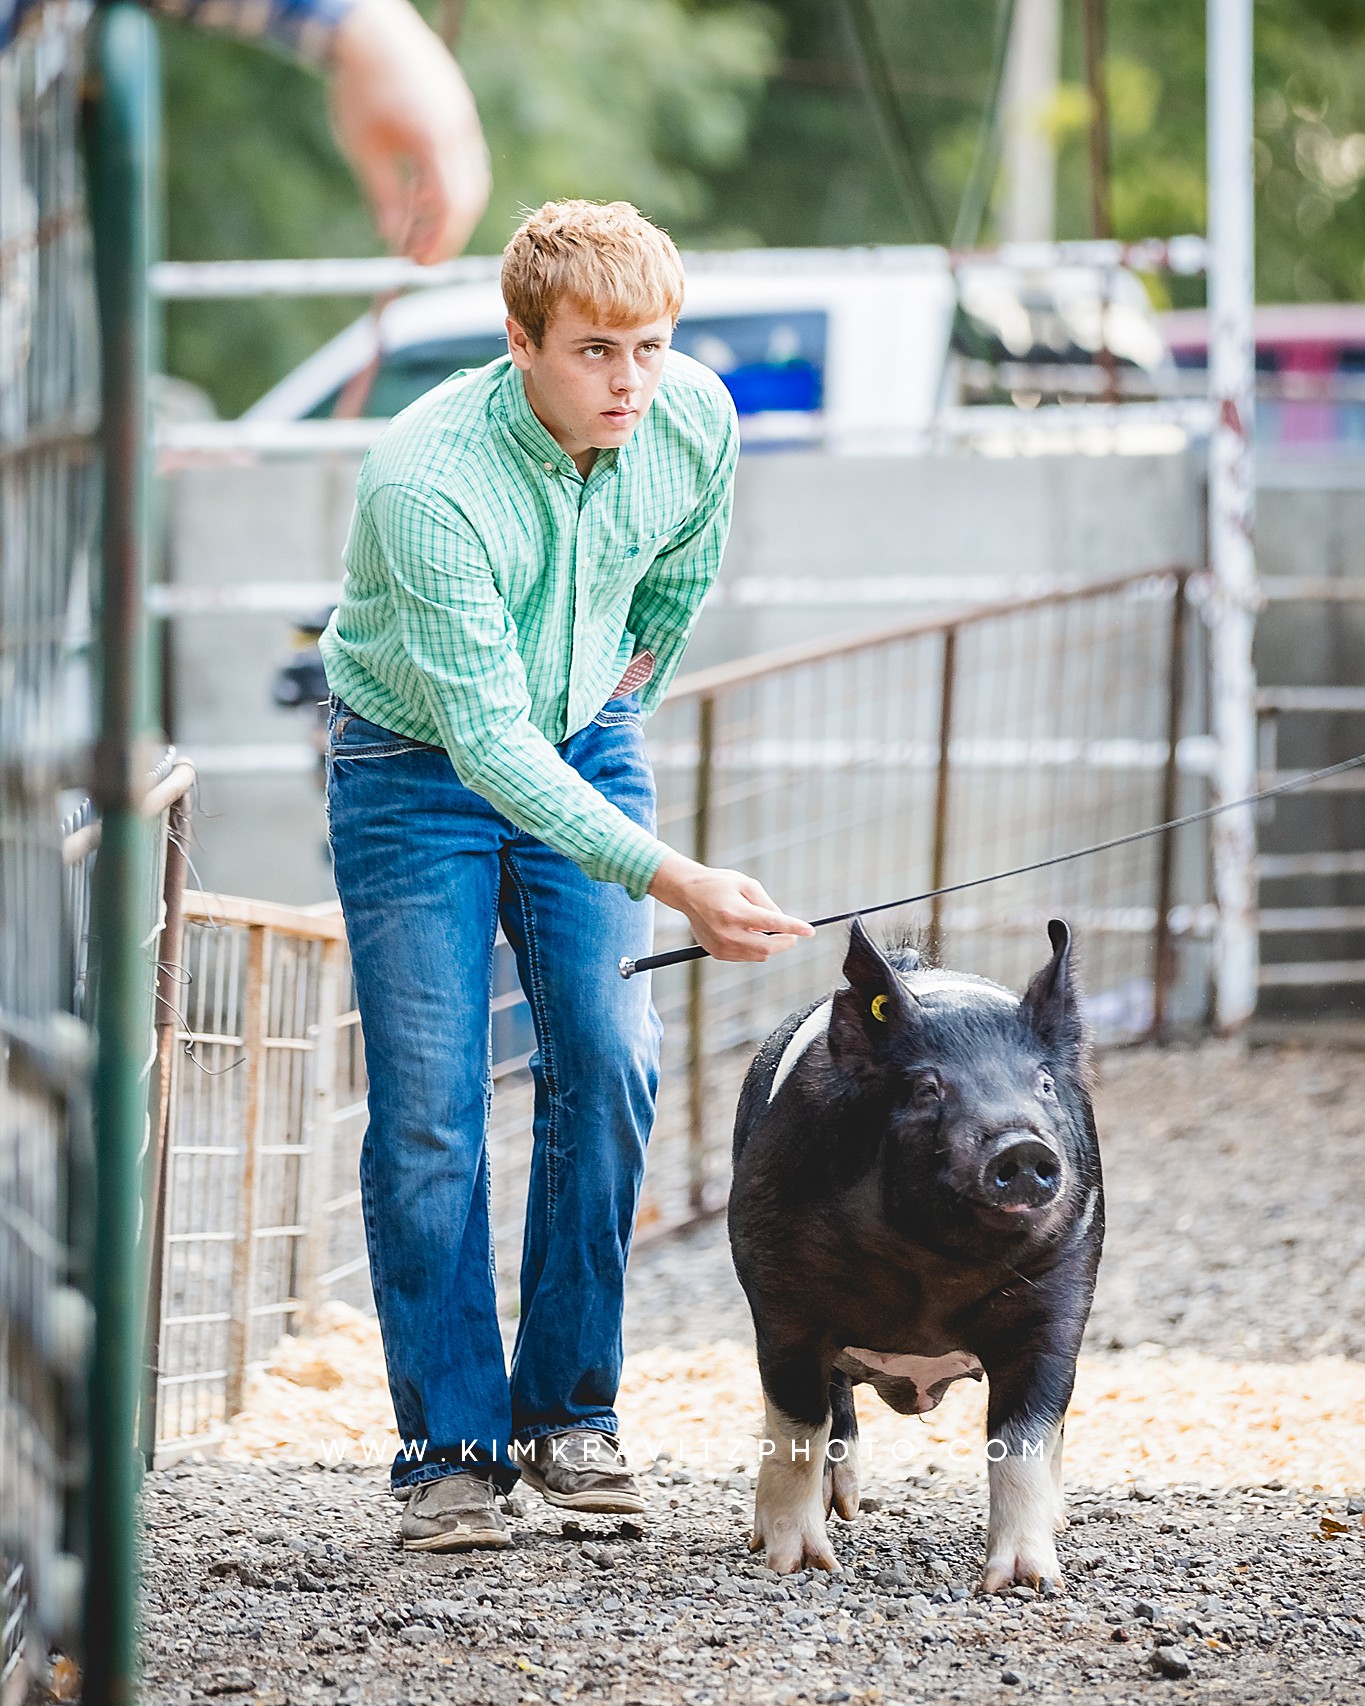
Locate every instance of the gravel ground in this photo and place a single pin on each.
(1235, 1233)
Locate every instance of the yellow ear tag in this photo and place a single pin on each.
(879, 1008)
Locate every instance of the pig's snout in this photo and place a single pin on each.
(1020, 1172)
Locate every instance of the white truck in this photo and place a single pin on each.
(851, 350)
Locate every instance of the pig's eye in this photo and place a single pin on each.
(925, 1089)
(1046, 1087)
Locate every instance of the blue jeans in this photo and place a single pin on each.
(426, 869)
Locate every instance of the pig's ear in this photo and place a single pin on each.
(875, 1008)
(1049, 1004)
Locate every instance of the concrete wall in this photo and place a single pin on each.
(967, 528)
(260, 833)
(936, 533)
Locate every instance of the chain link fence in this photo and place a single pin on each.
(852, 773)
(266, 1115)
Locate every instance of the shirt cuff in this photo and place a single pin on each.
(630, 856)
(308, 27)
(305, 28)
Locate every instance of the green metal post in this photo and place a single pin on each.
(122, 136)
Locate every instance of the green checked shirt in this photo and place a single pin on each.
(494, 597)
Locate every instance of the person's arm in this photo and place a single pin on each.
(401, 110)
(668, 599)
(403, 116)
(732, 916)
(456, 629)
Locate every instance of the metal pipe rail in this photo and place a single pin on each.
(84, 840)
(76, 1044)
(199, 281)
(707, 683)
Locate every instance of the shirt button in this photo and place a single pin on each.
(549, 467)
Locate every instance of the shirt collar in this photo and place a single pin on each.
(530, 432)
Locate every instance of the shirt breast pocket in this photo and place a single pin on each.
(641, 551)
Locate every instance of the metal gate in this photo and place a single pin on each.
(49, 473)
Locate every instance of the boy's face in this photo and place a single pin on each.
(590, 385)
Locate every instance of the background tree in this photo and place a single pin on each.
(816, 170)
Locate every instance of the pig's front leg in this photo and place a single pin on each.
(1020, 1543)
(1059, 1517)
(789, 1504)
(841, 1486)
(1024, 1451)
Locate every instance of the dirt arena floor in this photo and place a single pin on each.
(1215, 1462)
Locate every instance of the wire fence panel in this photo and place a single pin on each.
(262, 1145)
(49, 417)
(843, 775)
(859, 772)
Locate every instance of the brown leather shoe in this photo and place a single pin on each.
(455, 1514)
(583, 1470)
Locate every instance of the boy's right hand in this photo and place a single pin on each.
(731, 915)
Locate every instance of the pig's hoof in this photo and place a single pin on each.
(793, 1544)
(788, 1553)
(841, 1486)
(1033, 1569)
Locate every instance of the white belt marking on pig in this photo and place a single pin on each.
(926, 1372)
(930, 983)
(816, 1023)
(812, 1026)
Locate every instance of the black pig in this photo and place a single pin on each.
(917, 1198)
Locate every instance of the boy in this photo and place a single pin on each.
(530, 548)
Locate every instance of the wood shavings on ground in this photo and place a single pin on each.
(320, 1398)
(1138, 1416)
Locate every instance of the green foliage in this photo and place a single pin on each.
(1310, 140)
(1155, 83)
(816, 170)
(1310, 157)
(637, 99)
